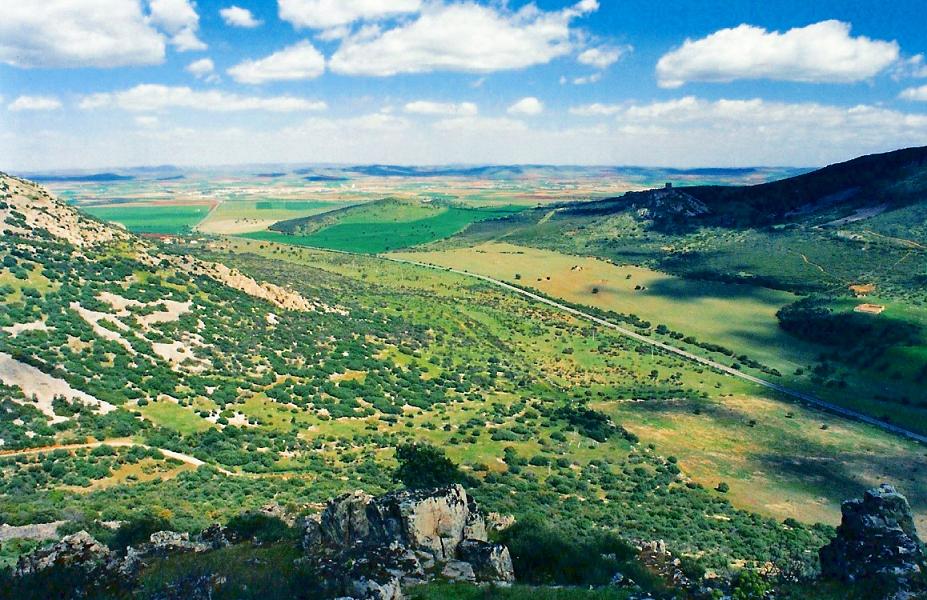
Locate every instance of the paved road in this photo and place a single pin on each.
(802, 396)
(190, 460)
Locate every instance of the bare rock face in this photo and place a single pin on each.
(876, 539)
(172, 542)
(371, 546)
(491, 562)
(76, 550)
(345, 521)
(216, 537)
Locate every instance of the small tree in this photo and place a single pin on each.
(425, 466)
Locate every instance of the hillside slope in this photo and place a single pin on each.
(880, 181)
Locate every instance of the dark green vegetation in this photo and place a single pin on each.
(152, 219)
(381, 226)
(859, 223)
(423, 466)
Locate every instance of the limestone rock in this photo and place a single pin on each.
(79, 549)
(216, 536)
(369, 547)
(876, 539)
(459, 571)
(499, 522)
(172, 542)
(491, 562)
(367, 589)
(344, 520)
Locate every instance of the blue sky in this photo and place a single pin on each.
(106, 83)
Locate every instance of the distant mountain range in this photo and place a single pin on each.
(635, 176)
(94, 177)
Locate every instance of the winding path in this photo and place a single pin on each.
(798, 395)
(186, 458)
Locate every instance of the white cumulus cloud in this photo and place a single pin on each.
(915, 93)
(299, 61)
(35, 103)
(596, 110)
(529, 106)
(914, 66)
(585, 79)
(425, 107)
(153, 97)
(602, 57)
(323, 14)
(236, 16)
(89, 33)
(178, 18)
(203, 68)
(823, 52)
(466, 37)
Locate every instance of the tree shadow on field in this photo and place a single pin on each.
(841, 478)
(687, 290)
(823, 469)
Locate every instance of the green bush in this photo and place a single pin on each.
(136, 531)
(425, 466)
(260, 528)
(543, 555)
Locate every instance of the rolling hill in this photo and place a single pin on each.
(382, 225)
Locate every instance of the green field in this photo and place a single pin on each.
(151, 219)
(175, 417)
(384, 226)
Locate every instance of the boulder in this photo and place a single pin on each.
(499, 522)
(370, 573)
(434, 520)
(76, 550)
(368, 589)
(216, 536)
(876, 539)
(369, 547)
(458, 571)
(344, 521)
(490, 562)
(172, 542)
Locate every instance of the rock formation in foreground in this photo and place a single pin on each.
(876, 540)
(368, 548)
(360, 547)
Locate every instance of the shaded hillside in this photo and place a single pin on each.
(889, 180)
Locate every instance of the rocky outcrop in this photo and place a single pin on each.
(82, 551)
(371, 546)
(876, 539)
(490, 562)
(76, 550)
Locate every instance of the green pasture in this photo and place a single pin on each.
(389, 227)
(151, 219)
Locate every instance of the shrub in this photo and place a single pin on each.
(137, 530)
(259, 528)
(425, 466)
(544, 555)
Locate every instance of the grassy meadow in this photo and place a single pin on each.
(383, 226)
(778, 458)
(737, 316)
(164, 219)
(238, 215)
